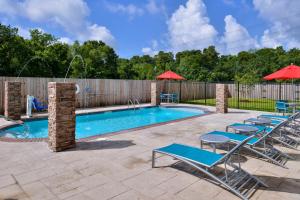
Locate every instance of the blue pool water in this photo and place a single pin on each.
(107, 122)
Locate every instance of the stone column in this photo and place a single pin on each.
(61, 120)
(155, 93)
(222, 98)
(12, 100)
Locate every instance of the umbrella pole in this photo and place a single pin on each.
(293, 90)
(179, 92)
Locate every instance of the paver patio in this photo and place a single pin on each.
(118, 167)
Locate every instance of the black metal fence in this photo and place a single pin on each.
(261, 96)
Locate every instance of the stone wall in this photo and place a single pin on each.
(12, 100)
(221, 98)
(61, 120)
(155, 93)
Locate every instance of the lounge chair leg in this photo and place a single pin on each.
(153, 159)
(267, 157)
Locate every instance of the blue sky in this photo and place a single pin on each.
(136, 27)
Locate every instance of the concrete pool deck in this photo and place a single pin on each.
(119, 167)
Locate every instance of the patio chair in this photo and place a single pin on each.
(164, 97)
(258, 146)
(174, 98)
(237, 180)
(281, 106)
(277, 133)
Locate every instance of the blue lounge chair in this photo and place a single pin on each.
(258, 146)
(277, 134)
(39, 106)
(281, 117)
(274, 122)
(237, 180)
(292, 124)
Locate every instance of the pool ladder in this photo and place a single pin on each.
(134, 102)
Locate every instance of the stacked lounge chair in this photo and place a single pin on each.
(277, 133)
(237, 180)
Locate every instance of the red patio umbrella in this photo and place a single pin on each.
(169, 75)
(289, 72)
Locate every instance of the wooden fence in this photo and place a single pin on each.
(93, 92)
(274, 91)
(105, 92)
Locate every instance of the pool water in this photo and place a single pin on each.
(106, 122)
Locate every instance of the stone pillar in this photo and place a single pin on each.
(61, 120)
(12, 100)
(155, 93)
(222, 98)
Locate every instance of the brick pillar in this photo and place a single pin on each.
(61, 120)
(155, 93)
(12, 100)
(222, 98)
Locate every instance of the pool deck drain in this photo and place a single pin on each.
(119, 167)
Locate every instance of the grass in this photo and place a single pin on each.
(246, 104)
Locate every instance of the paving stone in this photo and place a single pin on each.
(106, 191)
(38, 190)
(78, 197)
(132, 195)
(13, 192)
(168, 196)
(178, 183)
(146, 183)
(34, 175)
(200, 190)
(6, 180)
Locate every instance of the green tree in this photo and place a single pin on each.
(125, 69)
(144, 66)
(13, 51)
(164, 61)
(100, 60)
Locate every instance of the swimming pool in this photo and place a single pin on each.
(92, 124)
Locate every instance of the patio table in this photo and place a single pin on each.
(169, 96)
(245, 129)
(259, 121)
(213, 140)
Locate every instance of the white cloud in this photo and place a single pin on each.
(133, 10)
(130, 9)
(284, 17)
(69, 14)
(236, 37)
(65, 40)
(7, 7)
(96, 32)
(24, 32)
(151, 50)
(154, 8)
(189, 27)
